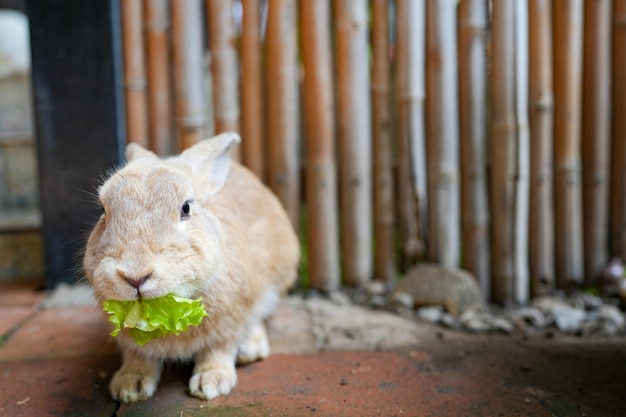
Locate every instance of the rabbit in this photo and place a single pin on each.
(196, 224)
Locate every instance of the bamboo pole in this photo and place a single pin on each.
(354, 123)
(410, 97)
(156, 20)
(188, 53)
(252, 129)
(541, 231)
(618, 171)
(596, 134)
(443, 133)
(522, 132)
(473, 136)
(384, 219)
(224, 71)
(568, 35)
(321, 177)
(283, 123)
(134, 73)
(509, 154)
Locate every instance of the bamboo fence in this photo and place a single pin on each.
(156, 21)
(596, 134)
(135, 83)
(531, 117)
(283, 122)
(354, 127)
(252, 126)
(473, 139)
(384, 218)
(618, 172)
(321, 176)
(442, 133)
(568, 34)
(509, 191)
(541, 106)
(410, 96)
(223, 58)
(521, 290)
(187, 30)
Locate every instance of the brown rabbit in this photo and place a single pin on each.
(194, 225)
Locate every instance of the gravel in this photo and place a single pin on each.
(580, 314)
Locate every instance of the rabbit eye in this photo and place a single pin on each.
(185, 209)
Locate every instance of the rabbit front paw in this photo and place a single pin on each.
(254, 347)
(212, 383)
(131, 387)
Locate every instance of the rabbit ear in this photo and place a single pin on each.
(136, 151)
(210, 159)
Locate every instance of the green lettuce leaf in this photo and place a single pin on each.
(148, 319)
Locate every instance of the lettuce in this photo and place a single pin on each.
(148, 319)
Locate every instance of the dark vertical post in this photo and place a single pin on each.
(76, 69)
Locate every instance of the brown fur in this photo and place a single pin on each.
(237, 249)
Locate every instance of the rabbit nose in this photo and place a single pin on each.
(135, 282)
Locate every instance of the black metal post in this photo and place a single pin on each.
(78, 102)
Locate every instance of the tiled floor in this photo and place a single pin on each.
(58, 361)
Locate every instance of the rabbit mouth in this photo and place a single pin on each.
(146, 294)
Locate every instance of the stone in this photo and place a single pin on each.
(590, 327)
(612, 315)
(609, 329)
(377, 301)
(501, 324)
(589, 301)
(400, 299)
(475, 321)
(407, 313)
(339, 298)
(431, 285)
(376, 288)
(430, 314)
(66, 295)
(529, 316)
(546, 303)
(353, 327)
(450, 321)
(290, 328)
(567, 319)
(313, 293)
(358, 295)
(592, 316)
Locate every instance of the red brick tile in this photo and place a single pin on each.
(14, 293)
(346, 384)
(59, 362)
(60, 387)
(60, 333)
(12, 316)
